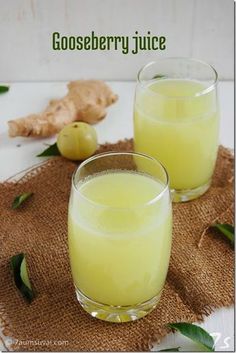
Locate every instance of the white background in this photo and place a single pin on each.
(198, 28)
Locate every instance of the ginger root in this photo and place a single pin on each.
(86, 101)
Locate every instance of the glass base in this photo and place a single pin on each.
(116, 313)
(189, 194)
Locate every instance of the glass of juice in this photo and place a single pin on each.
(119, 234)
(176, 120)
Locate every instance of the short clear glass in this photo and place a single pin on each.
(176, 120)
(119, 234)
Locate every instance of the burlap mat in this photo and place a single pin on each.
(200, 276)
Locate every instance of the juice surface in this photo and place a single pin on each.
(119, 249)
(177, 125)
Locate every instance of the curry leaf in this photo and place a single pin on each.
(195, 333)
(52, 150)
(226, 229)
(18, 264)
(4, 89)
(176, 349)
(21, 199)
(158, 76)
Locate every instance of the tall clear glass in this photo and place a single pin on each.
(176, 120)
(119, 233)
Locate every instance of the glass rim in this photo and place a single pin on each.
(198, 94)
(115, 153)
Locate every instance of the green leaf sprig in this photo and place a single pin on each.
(20, 199)
(226, 229)
(52, 150)
(21, 279)
(4, 89)
(195, 333)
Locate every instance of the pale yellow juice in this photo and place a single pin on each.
(177, 124)
(119, 249)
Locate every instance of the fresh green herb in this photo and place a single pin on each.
(176, 349)
(21, 199)
(52, 150)
(21, 279)
(195, 333)
(158, 77)
(226, 229)
(4, 89)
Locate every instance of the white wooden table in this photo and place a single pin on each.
(20, 153)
